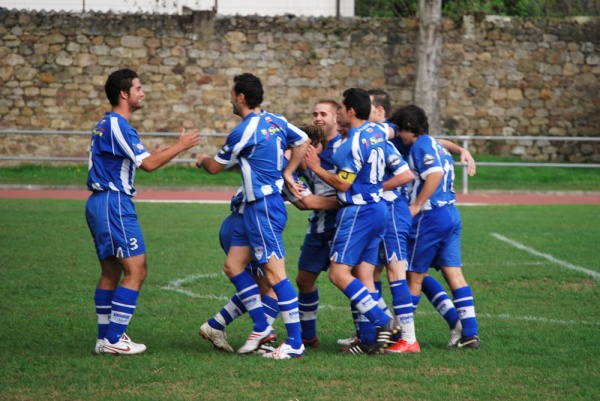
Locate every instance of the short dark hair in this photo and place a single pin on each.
(410, 118)
(381, 98)
(117, 82)
(251, 87)
(359, 100)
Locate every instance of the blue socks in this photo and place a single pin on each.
(123, 305)
(247, 290)
(365, 304)
(288, 307)
(271, 308)
(463, 300)
(232, 310)
(440, 300)
(308, 305)
(103, 301)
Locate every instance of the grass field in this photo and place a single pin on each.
(179, 176)
(533, 270)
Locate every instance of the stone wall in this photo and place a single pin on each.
(499, 76)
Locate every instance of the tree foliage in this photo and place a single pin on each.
(455, 8)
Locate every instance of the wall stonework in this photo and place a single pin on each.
(499, 76)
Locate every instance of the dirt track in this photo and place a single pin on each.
(225, 196)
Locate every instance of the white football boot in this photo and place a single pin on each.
(123, 347)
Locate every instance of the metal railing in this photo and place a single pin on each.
(463, 139)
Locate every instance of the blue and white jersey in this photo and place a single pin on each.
(427, 156)
(395, 165)
(115, 153)
(362, 153)
(287, 194)
(258, 144)
(321, 221)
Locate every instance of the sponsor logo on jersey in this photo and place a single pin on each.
(98, 131)
(393, 160)
(140, 146)
(377, 138)
(428, 160)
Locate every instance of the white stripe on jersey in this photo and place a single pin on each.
(245, 168)
(356, 151)
(118, 135)
(125, 169)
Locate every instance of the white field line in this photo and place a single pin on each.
(175, 286)
(550, 258)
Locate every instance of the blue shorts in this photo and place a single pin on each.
(360, 230)
(225, 234)
(396, 237)
(434, 239)
(113, 223)
(264, 221)
(314, 254)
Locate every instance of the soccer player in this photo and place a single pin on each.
(115, 154)
(214, 329)
(394, 250)
(362, 220)
(434, 239)
(380, 109)
(258, 144)
(314, 255)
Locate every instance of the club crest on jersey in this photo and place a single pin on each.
(259, 252)
(428, 160)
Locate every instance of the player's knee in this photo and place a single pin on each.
(305, 284)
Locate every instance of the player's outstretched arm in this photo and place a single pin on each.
(159, 158)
